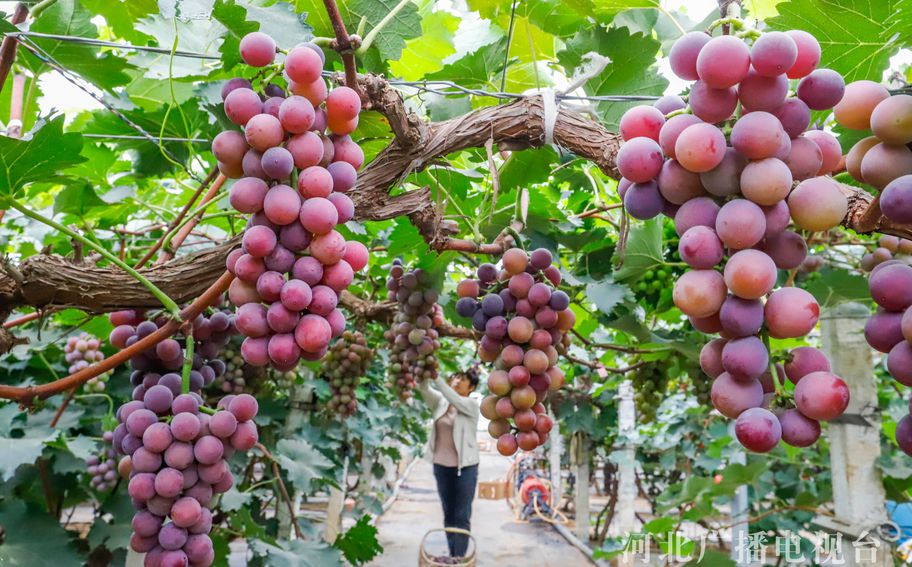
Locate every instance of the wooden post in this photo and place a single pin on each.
(854, 438)
(582, 488)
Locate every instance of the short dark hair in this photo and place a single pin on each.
(474, 376)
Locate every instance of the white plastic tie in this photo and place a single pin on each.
(550, 118)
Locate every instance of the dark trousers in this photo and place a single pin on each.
(456, 494)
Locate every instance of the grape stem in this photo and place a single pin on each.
(188, 365)
(207, 410)
(283, 491)
(107, 398)
(162, 297)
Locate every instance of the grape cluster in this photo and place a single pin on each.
(888, 247)
(292, 180)
(889, 330)
(726, 180)
(343, 366)
(102, 468)
(523, 318)
(413, 336)
(650, 383)
(178, 453)
(883, 160)
(233, 380)
(80, 352)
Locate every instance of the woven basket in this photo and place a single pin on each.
(425, 559)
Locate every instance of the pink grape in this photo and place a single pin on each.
(281, 259)
(347, 150)
(706, 325)
(241, 292)
(343, 176)
(669, 103)
(787, 249)
(745, 359)
(791, 312)
(306, 149)
(313, 333)
(701, 211)
(884, 330)
(641, 121)
(804, 360)
(248, 268)
(324, 300)
(303, 65)
(766, 181)
(794, 115)
(805, 158)
(711, 357)
(712, 105)
(808, 54)
(891, 119)
(296, 295)
(295, 237)
(283, 350)
(757, 92)
(757, 135)
(252, 164)
(758, 430)
(356, 254)
(724, 179)
(272, 105)
(677, 185)
(251, 320)
(344, 206)
(699, 293)
(732, 397)
(264, 131)
(750, 274)
(277, 163)
(858, 103)
(296, 114)
(241, 105)
(671, 129)
(269, 284)
(798, 430)
(740, 224)
(740, 318)
(344, 103)
(830, 150)
(723, 62)
(318, 215)
(896, 200)
(773, 53)
(899, 363)
(700, 147)
(817, 204)
(259, 241)
(822, 396)
(257, 49)
(700, 248)
(254, 351)
(231, 170)
(281, 319)
(315, 182)
(684, 53)
(821, 89)
(338, 276)
(282, 205)
(233, 84)
(882, 163)
(229, 146)
(640, 159)
(891, 287)
(308, 270)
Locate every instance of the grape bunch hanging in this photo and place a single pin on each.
(413, 335)
(80, 352)
(174, 448)
(726, 180)
(292, 180)
(888, 248)
(102, 467)
(343, 366)
(889, 330)
(524, 319)
(883, 160)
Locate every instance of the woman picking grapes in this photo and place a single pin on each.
(453, 450)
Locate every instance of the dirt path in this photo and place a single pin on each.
(502, 542)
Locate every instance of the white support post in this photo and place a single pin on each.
(627, 491)
(555, 454)
(739, 510)
(582, 490)
(854, 439)
(335, 507)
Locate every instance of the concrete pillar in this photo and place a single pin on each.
(555, 454)
(335, 507)
(582, 489)
(854, 438)
(739, 510)
(627, 490)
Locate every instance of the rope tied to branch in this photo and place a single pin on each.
(549, 117)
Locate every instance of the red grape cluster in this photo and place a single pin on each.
(413, 336)
(343, 366)
(233, 380)
(889, 330)
(887, 248)
(883, 160)
(726, 180)
(80, 352)
(293, 177)
(523, 318)
(102, 468)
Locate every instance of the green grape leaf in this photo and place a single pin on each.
(359, 543)
(606, 295)
(474, 69)
(31, 537)
(297, 553)
(67, 17)
(234, 18)
(77, 200)
(644, 250)
(113, 534)
(303, 463)
(122, 15)
(37, 157)
(857, 37)
(632, 69)
(390, 41)
(196, 35)
(425, 54)
(278, 20)
(833, 287)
